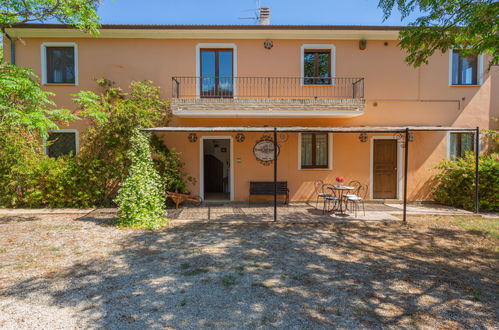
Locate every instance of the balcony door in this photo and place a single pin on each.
(217, 73)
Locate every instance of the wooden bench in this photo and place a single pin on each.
(262, 190)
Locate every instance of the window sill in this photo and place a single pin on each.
(452, 85)
(315, 169)
(59, 84)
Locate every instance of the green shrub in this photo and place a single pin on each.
(170, 167)
(456, 182)
(115, 115)
(141, 197)
(29, 178)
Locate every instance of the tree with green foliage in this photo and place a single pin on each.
(23, 104)
(115, 114)
(79, 13)
(141, 197)
(24, 107)
(472, 26)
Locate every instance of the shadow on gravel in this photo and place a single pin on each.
(286, 276)
(15, 218)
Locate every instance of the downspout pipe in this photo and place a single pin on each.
(12, 47)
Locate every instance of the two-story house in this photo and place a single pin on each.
(235, 78)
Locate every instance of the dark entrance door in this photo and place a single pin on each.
(217, 73)
(216, 169)
(385, 169)
(213, 174)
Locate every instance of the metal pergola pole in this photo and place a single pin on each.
(477, 172)
(406, 159)
(275, 174)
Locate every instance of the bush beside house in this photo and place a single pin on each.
(456, 179)
(141, 197)
(29, 178)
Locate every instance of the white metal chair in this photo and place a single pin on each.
(319, 192)
(330, 198)
(357, 199)
(357, 186)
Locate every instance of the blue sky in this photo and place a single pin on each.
(334, 12)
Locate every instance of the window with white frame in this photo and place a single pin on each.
(62, 143)
(314, 151)
(464, 70)
(460, 143)
(59, 63)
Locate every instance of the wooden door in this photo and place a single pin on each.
(213, 174)
(385, 169)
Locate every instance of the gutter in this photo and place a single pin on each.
(12, 46)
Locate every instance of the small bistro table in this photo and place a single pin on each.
(341, 191)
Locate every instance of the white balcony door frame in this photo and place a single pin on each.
(198, 64)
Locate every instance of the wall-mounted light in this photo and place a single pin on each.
(362, 44)
(240, 137)
(363, 137)
(400, 138)
(268, 44)
(192, 137)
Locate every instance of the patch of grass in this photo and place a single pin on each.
(185, 265)
(475, 294)
(241, 268)
(366, 312)
(479, 225)
(20, 266)
(54, 249)
(183, 302)
(196, 271)
(3, 250)
(228, 280)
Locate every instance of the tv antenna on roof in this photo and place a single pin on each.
(261, 15)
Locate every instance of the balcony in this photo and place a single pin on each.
(267, 97)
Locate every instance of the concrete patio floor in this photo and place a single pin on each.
(300, 213)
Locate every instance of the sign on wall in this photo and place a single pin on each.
(264, 150)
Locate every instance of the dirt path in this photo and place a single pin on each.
(61, 271)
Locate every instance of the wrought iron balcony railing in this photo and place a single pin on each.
(268, 87)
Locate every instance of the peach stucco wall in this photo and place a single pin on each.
(350, 159)
(396, 94)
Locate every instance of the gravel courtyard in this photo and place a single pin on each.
(69, 271)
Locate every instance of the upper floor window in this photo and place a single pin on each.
(318, 64)
(460, 143)
(62, 142)
(464, 69)
(314, 150)
(217, 72)
(317, 67)
(59, 63)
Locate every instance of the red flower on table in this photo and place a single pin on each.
(339, 179)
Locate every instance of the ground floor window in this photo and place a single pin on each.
(63, 142)
(460, 143)
(314, 150)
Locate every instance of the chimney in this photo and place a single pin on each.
(264, 18)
